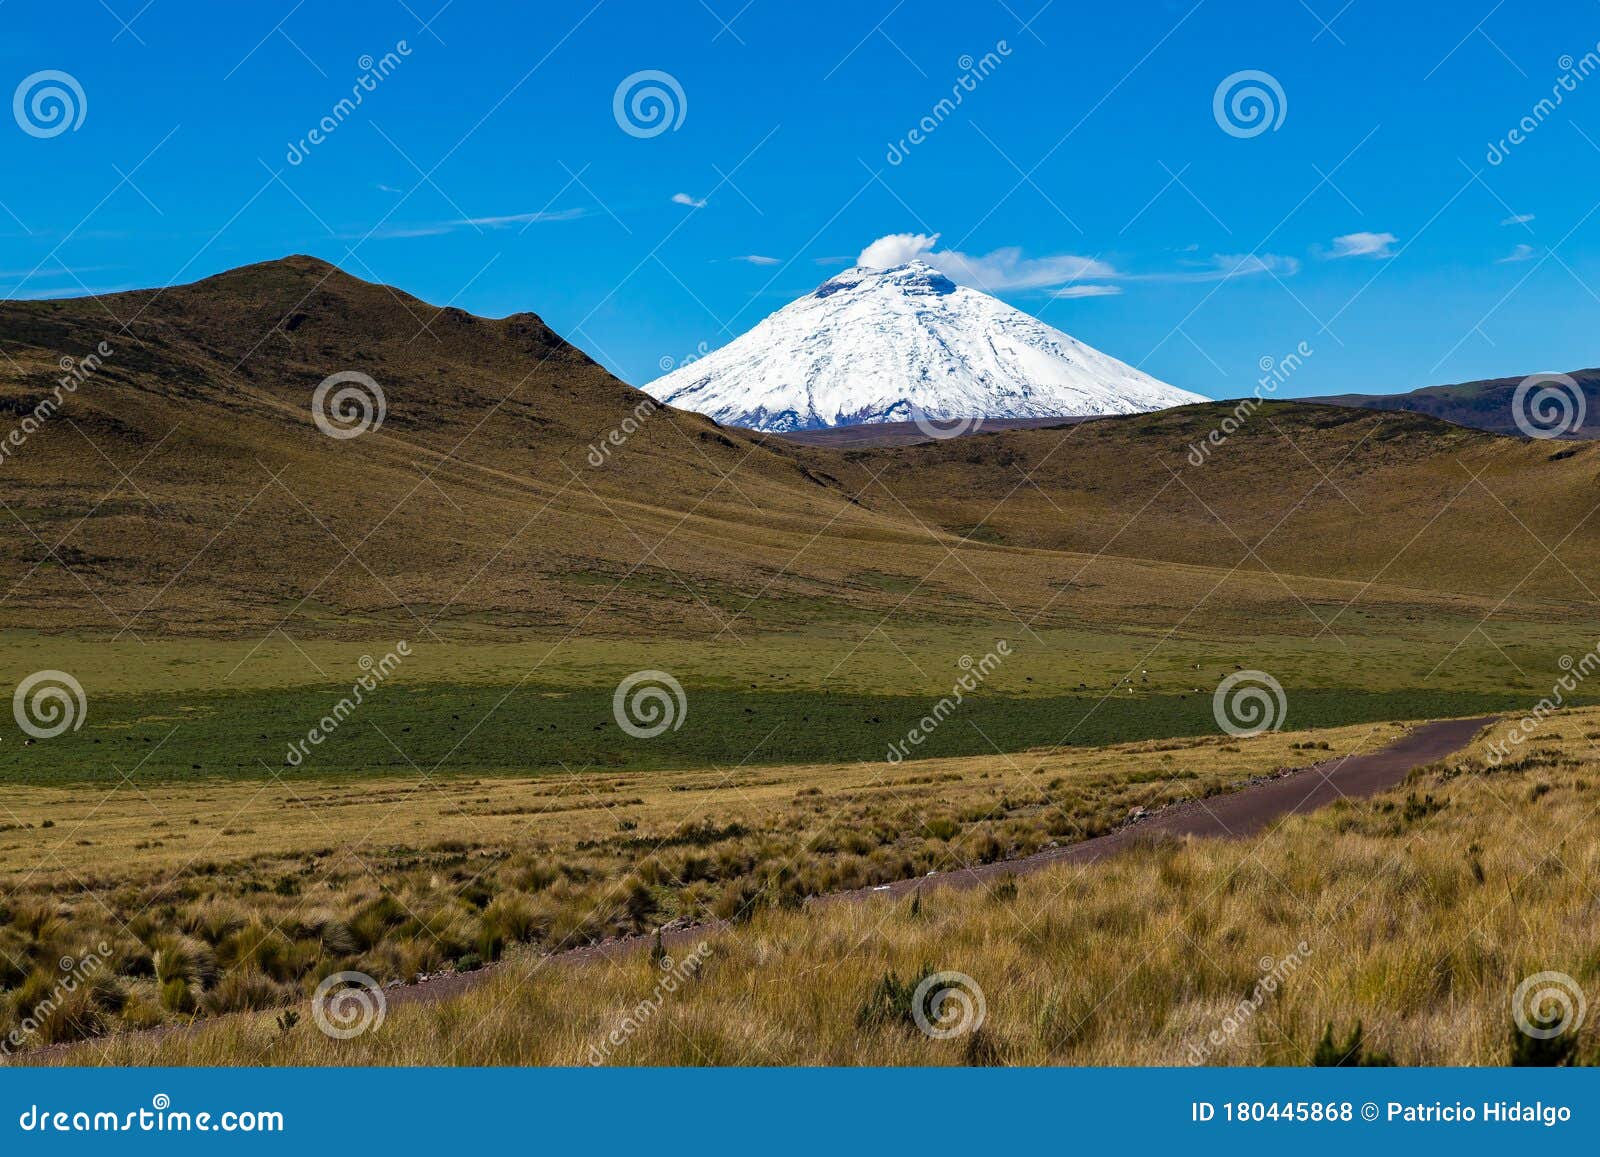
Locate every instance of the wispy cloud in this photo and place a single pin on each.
(1518, 219)
(56, 270)
(438, 228)
(685, 199)
(1066, 275)
(522, 218)
(1226, 267)
(1520, 253)
(74, 290)
(998, 270)
(1363, 245)
(1087, 291)
(1009, 269)
(757, 259)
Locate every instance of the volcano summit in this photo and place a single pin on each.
(892, 345)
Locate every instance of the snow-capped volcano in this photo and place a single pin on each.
(893, 345)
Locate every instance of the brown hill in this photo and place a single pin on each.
(1399, 499)
(185, 486)
(185, 483)
(1484, 404)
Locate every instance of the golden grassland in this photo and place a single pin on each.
(1415, 915)
(184, 530)
(223, 896)
(186, 491)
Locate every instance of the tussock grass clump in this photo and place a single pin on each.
(890, 1001)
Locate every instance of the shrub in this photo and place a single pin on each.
(176, 996)
(84, 1012)
(373, 920)
(259, 947)
(241, 991)
(1536, 1052)
(1351, 1054)
(182, 958)
(892, 1002)
(491, 944)
(516, 917)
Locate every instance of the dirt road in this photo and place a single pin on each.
(1240, 813)
(1235, 814)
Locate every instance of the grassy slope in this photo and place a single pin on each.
(1312, 491)
(244, 515)
(1485, 404)
(514, 531)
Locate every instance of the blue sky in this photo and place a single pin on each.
(1085, 176)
